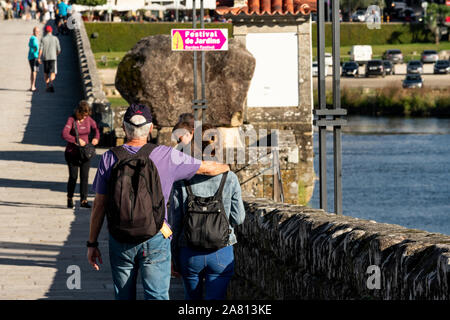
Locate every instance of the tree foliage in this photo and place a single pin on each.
(89, 2)
(435, 19)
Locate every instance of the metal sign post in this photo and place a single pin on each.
(199, 104)
(323, 112)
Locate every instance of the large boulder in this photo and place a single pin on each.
(153, 74)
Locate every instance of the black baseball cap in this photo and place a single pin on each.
(138, 109)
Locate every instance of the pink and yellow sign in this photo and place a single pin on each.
(199, 39)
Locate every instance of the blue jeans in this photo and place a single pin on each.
(216, 268)
(152, 257)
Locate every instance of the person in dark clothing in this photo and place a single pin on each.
(81, 118)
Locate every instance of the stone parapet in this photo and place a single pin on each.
(295, 252)
(92, 85)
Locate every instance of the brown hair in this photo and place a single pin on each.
(209, 142)
(187, 117)
(182, 125)
(83, 109)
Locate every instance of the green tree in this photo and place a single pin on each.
(89, 2)
(435, 19)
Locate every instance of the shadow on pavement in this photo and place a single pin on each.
(94, 284)
(44, 157)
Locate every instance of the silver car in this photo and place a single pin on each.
(315, 69)
(359, 16)
(429, 56)
(414, 66)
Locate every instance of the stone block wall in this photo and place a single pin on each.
(295, 252)
(92, 85)
(298, 182)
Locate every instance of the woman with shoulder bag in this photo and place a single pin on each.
(79, 151)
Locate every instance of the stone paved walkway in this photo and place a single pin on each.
(39, 237)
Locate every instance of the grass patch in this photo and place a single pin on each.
(117, 102)
(393, 101)
(107, 60)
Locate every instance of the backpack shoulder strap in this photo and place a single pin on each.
(188, 188)
(120, 153)
(221, 186)
(146, 149)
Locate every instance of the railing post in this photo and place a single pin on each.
(277, 193)
(199, 104)
(194, 26)
(203, 102)
(322, 102)
(337, 136)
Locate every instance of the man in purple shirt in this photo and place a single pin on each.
(153, 256)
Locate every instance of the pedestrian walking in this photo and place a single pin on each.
(17, 9)
(26, 9)
(49, 50)
(33, 55)
(9, 10)
(45, 15)
(62, 17)
(202, 214)
(51, 9)
(132, 185)
(76, 133)
(33, 9)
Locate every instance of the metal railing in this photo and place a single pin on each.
(199, 104)
(329, 117)
(277, 190)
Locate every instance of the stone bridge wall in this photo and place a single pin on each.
(295, 252)
(92, 85)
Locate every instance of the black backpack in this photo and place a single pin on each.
(135, 204)
(206, 225)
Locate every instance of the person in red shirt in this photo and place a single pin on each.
(81, 118)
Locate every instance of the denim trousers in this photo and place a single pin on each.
(152, 258)
(211, 270)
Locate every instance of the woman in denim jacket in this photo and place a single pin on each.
(214, 267)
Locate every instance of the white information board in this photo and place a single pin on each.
(275, 81)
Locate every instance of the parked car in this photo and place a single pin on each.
(350, 68)
(388, 67)
(328, 59)
(408, 14)
(413, 81)
(359, 16)
(360, 54)
(429, 56)
(414, 66)
(315, 69)
(375, 67)
(398, 5)
(394, 55)
(442, 66)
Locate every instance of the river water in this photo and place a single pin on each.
(394, 170)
